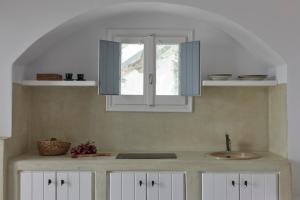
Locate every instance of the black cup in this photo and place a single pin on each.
(80, 77)
(69, 76)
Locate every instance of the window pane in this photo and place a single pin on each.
(167, 69)
(132, 69)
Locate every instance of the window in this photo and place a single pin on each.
(132, 69)
(149, 71)
(167, 69)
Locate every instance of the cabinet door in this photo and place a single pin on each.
(147, 186)
(73, 183)
(86, 183)
(25, 185)
(178, 186)
(127, 185)
(165, 186)
(152, 186)
(62, 186)
(220, 186)
(171, 186)
(140, 185)
(31, 185)
(49, 186)
(37, 185)
(260, 186)
(74, 186)
(115, 186)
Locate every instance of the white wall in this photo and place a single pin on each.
(78, 52)
(274, 21)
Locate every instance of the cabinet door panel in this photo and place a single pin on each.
(73, 185)
(140, 186)
(152, 186)
(86, 186)
(147, 186)
(62, 187)
(25, 185)
(127, 185)
(245, 191)
(37, 185)
(165, 186)
(233, 186)
(207, 186)
(178, 186)
(260, 186)
(115, 188)
(220, 186)
(49, 186)
(271, 186)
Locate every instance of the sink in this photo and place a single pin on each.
(234, 155)
(146, 156)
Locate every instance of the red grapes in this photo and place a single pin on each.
(87, 148)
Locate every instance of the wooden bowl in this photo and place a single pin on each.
(53, 147)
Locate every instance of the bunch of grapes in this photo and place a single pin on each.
(87, 148)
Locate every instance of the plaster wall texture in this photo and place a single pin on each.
(18, 143)
(78, 114)
(278, 120)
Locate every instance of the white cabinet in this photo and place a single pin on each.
(147, 186)
(243, 186)
(65, 185)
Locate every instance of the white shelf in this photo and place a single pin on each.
(239, 83)
(58, 83)
(204, 83)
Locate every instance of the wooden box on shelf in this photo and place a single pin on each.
(48, 77)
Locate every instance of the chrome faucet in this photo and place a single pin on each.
(228, 143)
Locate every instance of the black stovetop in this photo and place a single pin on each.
(146, 156)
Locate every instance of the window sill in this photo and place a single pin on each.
(146, 108)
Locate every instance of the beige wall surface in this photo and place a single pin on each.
(18, 143)
(278, 120)
(78, 114)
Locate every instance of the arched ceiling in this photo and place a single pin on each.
(247, 39)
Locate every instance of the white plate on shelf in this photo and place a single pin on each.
(219, 77)
(253, 77)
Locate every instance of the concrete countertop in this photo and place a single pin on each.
(185, 160)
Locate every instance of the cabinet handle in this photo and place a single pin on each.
(152, 183)
(49, 181)
(233, 183)
(246, 183)
(62, 182)
(141, 183)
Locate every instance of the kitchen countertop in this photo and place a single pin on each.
(200, 161)
(193, 163)
(181, 156)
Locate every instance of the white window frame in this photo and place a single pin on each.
(144, 103)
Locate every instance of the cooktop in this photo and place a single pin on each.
(146, 156)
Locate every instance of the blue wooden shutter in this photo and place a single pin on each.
(109, 67)
(190, 77)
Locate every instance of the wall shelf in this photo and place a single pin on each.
(204, 83)
(57, 83)
(239, 83)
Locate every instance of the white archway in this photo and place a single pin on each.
(249, 40)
